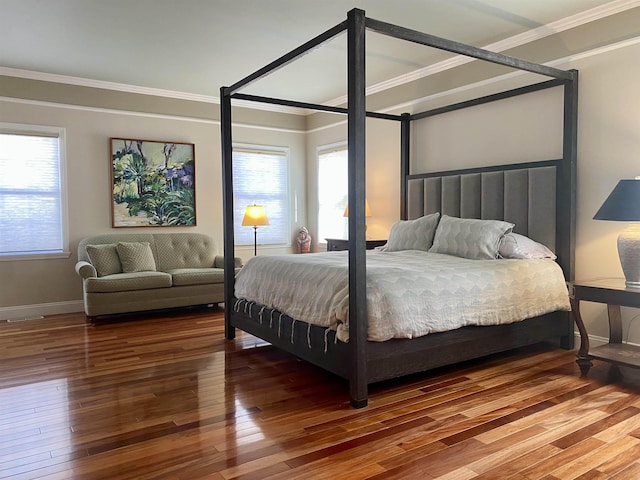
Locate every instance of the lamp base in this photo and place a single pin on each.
(629, 253)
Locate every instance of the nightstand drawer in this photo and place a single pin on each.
(335, 244)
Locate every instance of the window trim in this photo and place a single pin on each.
(60, 134)
(286, 153)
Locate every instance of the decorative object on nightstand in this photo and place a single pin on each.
(623, 205)
(304, 240)
(255, 216)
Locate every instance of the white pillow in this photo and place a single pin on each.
(469, 237)
(514, 245)
(413, 234)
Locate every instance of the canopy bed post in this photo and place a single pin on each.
(405, 152)
(567, 186)
(356, 195)
(567, 195)
(227, 206)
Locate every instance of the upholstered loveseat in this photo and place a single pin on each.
(136, 272)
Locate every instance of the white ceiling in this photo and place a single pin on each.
(196, 46)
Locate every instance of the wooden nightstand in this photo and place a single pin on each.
(335, 244)
(614, 293)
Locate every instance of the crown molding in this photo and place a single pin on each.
(582, 18)
(126, 88)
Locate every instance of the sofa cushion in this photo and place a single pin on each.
(104, 259)
(136, 257)
(196, 276)
(184, 250)
(120, 282)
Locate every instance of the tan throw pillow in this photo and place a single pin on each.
(136, 257)
(105, 259)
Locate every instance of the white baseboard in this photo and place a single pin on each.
(595, 341)
(24, 312)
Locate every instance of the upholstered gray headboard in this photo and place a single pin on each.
(523, 196)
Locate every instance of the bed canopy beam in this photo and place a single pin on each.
(452, 46)
(489, 98)
(287, 58)
(310, 106)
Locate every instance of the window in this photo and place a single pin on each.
(32, 199)
(332, 192)
(261, 177)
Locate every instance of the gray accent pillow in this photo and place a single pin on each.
(136, 257)
(469, 237)
(413, 234)
(104, 259)
(514, 245)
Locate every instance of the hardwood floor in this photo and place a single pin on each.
(165, 396)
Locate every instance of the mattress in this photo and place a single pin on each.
(410, 293)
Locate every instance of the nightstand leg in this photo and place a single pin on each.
(583, 360)
(615, 324)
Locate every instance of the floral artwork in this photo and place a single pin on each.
(153, 183)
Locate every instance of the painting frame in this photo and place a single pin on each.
(153, 183)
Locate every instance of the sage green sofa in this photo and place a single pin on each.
(130, 272)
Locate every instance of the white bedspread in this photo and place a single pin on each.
(409, 293)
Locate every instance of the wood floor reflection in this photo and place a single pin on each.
(165, 396)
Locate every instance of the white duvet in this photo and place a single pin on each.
(409, 293)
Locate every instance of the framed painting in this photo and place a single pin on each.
(152, 183)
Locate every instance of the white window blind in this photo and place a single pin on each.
(261, 177)
(32, 207)
(333, 191)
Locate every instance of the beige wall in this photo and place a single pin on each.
(34, 287)
(608, 150)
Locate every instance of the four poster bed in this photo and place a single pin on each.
(535, 199)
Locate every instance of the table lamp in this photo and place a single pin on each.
(623, 205)
(255, 216)
(367, 211)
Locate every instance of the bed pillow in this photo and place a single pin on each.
(136, 257)
(469, 237)
(104, 259)
(514, 245)
(413, 234)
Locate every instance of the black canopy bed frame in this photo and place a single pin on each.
(363, 362)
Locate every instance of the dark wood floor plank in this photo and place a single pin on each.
(164, 396)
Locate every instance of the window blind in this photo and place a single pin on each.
(31, 201)
(261, 177)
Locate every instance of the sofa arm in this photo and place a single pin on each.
(86, 270)
(219, 262)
